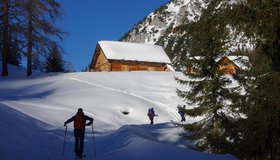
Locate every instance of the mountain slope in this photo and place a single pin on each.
(163, 21)
(165, 27)
(161, 26)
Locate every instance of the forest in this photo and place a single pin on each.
(244, 119)
(28, 32)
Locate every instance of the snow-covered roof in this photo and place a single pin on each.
(240, 61)
(134, 51)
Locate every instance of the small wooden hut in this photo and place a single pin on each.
(226, 65)
(232, 64)
(127, 56)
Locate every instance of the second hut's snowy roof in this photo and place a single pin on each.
(116, 50)
(240, 61)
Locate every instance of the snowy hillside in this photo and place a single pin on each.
(33, 111)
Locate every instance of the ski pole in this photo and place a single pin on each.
(156, 119)
(93, 141)
(64, 140)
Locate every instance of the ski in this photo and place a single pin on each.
(80, 158)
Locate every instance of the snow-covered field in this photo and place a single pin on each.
(33, 111)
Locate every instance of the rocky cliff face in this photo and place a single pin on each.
(159, 27)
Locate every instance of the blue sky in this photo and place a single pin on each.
(89, 21)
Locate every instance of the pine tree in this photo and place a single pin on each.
(210, 96)
(54, 62)
(177, 45)
(14, 57)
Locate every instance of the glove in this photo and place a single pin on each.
(88, 124)
(65, 124)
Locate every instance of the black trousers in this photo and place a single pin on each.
(151, 119)
(79, 135)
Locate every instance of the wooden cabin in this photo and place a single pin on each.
(127, 56)
(233, 64)
(227, 65)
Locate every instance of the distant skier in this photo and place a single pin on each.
(182, 113)
(80, 120)
(151, 114)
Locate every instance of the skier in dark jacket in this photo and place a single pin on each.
(151, 114)
(80, 121)
(182, 113)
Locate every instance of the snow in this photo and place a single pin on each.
(134, 51)
(240, 61)
(33, 111)
(173, 8)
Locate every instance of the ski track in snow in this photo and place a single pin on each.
(75, 78)
(115, 90)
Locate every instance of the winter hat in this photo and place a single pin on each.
(80, 110)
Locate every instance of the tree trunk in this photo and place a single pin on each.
(5, 39)
(29, 40)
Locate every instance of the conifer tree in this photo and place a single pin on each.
(15, 55)
(54, 62)
(260, 129)
(209, 94)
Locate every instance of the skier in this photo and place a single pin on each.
(80, 120)
(182, 113)
(151, 114)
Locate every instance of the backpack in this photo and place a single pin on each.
(79, 121)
